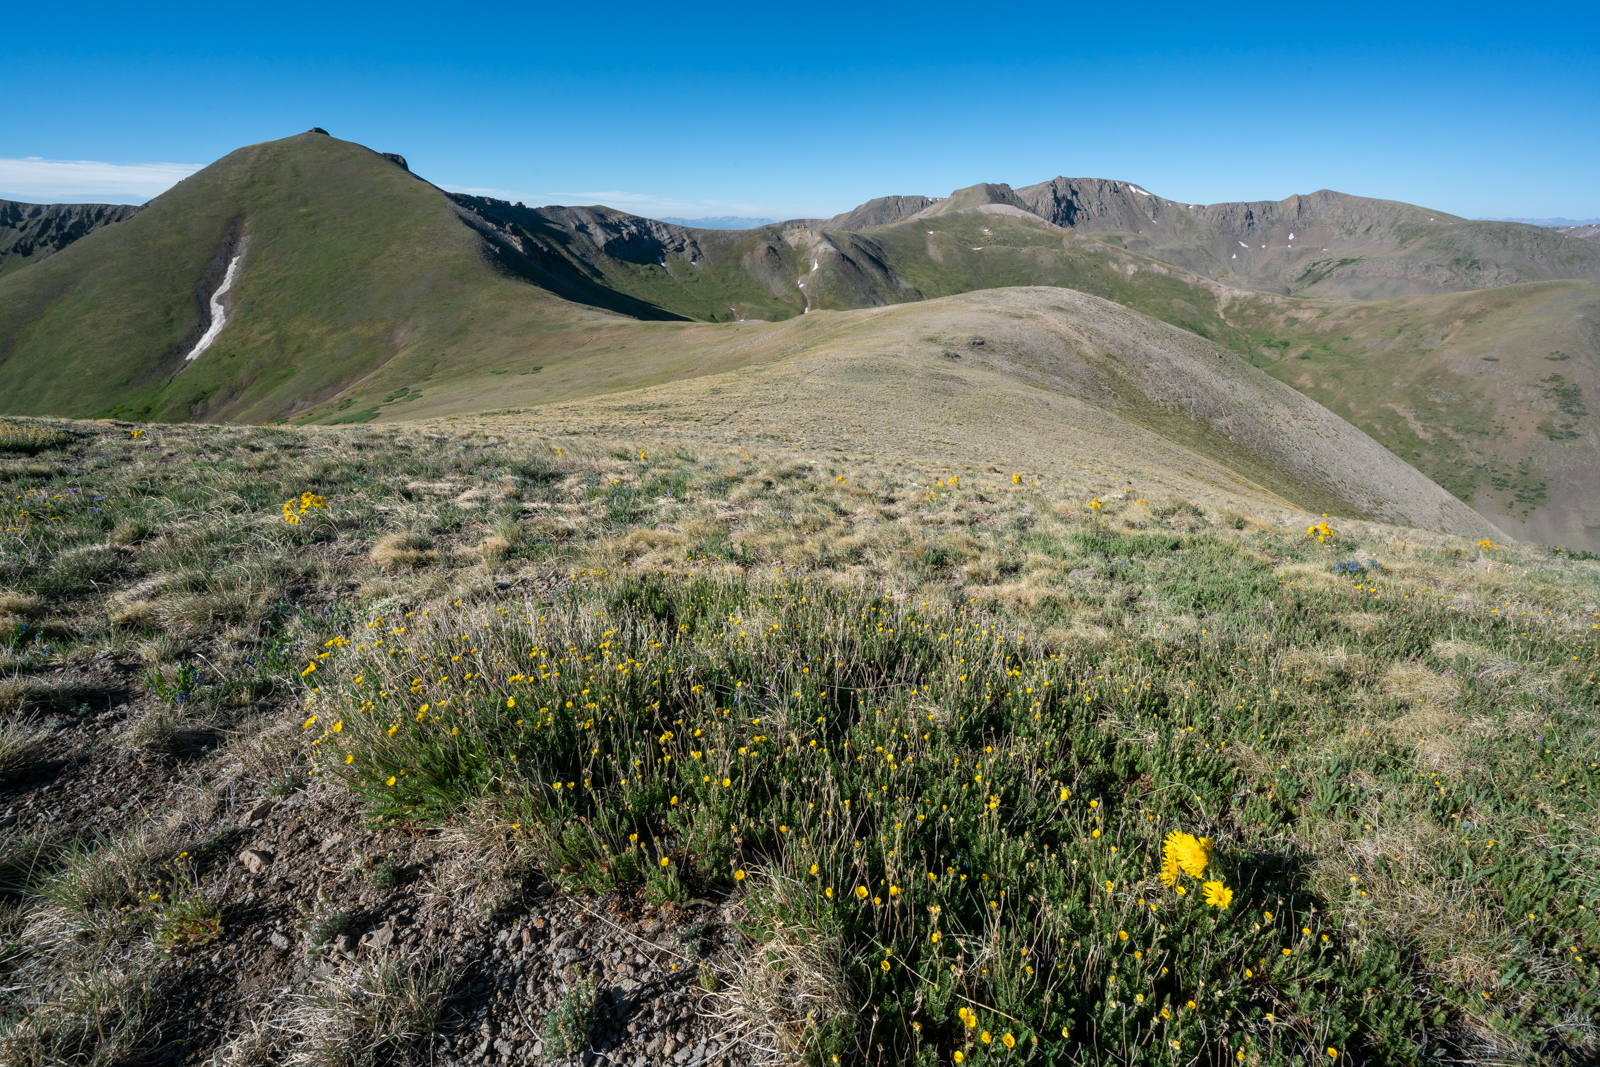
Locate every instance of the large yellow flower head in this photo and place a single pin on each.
(1184, 853)
(1217, 895)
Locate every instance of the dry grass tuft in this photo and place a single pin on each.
(786, 991)
(255, 1046)
(1310, 575)
(1461, 932)
(494, 547)
(1416, 686)
(155, 729)
(130, 532)
(1080, 636)
(22, 743)
(160, 649)
(1429, 722)
(1329, 666)
(1490, 667)
(1234, 520)
(1361, 622)
(373, 1013)
(137, 614)
(264, 761)
(1435, 733)
(98, 880)
(101, 1017)
(25, 604)
(25, 855)
(644, 541)
(22, 692)
(409, 549)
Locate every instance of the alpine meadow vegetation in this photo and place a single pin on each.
(992, 769)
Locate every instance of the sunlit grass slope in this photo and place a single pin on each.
(1019, 377)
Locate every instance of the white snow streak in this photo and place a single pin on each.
(218, 314)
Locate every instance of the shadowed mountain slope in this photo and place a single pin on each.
(31, 232)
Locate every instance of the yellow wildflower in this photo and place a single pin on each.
(1186, 853)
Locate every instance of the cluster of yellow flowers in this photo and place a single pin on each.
(1320, 531)
(307, 501)
(1487, 544)
(1095, 504)
(1183, 853)
(12, 434)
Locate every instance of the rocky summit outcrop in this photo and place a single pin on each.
(880, 212)
(30, 232)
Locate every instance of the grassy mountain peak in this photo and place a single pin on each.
(348, 259)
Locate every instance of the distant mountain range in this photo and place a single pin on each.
(720, 222)
(351, 290)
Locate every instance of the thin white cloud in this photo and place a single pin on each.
(84, 181)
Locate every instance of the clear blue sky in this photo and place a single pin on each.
(808, 109)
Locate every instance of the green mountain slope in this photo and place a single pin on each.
(1490, 393)
(346, 260)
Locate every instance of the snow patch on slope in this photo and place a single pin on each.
(219, 314)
